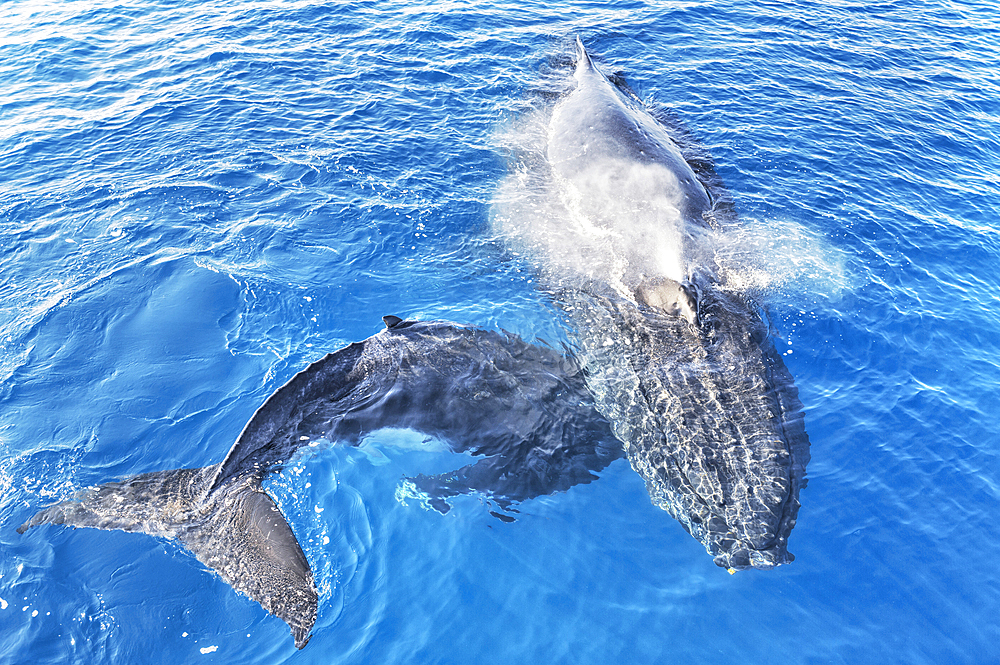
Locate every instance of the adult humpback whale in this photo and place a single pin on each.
(678, 359)
(523, 408)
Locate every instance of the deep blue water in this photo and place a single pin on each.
(197, 201)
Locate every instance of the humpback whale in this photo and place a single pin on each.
(523, 409)
(679, 360)
(673, 368)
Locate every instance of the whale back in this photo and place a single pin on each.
(523, 409)
(681, 366)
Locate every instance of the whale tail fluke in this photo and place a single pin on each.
(524, 409)
(249, 543)
(237, 531)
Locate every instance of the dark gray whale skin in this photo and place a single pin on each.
(708, 413)
(524, 408)
(684, 369)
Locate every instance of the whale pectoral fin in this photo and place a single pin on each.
(524, 474)
(252, 547)
(482, 476)
(237, 531)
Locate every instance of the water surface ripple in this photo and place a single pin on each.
(198, 200)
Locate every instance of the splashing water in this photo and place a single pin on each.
(618, 219)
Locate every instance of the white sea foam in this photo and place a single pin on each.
(586, 228)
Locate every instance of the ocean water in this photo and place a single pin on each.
(198, 199)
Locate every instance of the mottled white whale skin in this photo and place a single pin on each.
(622, 175)
(598, 124)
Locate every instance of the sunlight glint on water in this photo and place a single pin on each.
(198, 201)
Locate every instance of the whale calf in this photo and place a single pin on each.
(679, 360)
(523, 409)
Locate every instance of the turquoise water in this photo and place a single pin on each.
(197, 201)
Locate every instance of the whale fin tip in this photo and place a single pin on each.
(238, 531)
(583, 61)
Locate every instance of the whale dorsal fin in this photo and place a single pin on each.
(391, 321)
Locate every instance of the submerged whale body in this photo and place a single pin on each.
(679, 361)
(523, 408)
(673, 364)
